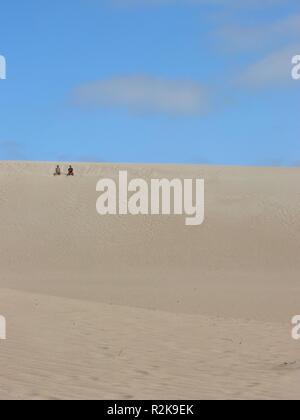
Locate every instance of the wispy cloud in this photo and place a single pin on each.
(273, 70)
(245, 37)
(268, 47)
(144, 94)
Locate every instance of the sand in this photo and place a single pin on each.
(124, 307)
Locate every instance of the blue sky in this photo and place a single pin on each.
(183, 81)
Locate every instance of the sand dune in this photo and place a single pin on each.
(146, 307)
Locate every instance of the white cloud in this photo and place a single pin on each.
(247, 37)
(144, 94)
(273, 70)
(278, 40)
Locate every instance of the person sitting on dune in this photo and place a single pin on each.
(70, 171)
(57, 171)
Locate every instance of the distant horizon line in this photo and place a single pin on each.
(116, 163)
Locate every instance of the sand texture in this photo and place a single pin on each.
(123, 307)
